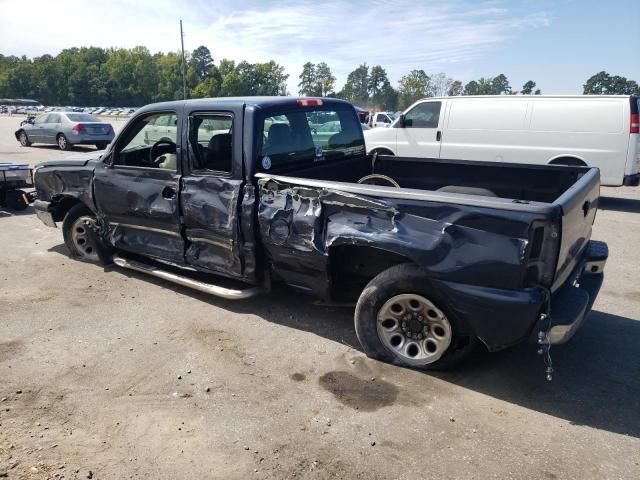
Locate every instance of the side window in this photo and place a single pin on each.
(41, 119)
(140, 148)
(53, 118)
(384, 119)
(210, 142)
(423, 115)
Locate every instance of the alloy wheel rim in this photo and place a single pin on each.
(414, 329)
(23, 138)
(62, 142)
(80, 237)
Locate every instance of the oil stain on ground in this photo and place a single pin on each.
(359, 394)
(9, 349)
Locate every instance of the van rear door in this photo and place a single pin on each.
(578, 206)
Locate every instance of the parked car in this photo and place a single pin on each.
(439, 256)
(66, 129)
(588, 130)
(381, 119)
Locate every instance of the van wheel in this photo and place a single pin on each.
(400, 319)
(79, 232)
(382, 151)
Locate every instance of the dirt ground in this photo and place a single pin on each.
(105, 373)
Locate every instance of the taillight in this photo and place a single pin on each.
(79, 128)
(309, 102)
(635, 123)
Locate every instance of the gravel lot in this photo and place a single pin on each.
(106, 371)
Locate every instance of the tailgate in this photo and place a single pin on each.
(578, 205)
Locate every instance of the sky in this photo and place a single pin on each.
(556, 43)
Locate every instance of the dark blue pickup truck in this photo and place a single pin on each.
(438, 256)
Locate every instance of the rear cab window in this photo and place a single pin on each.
(299, 137)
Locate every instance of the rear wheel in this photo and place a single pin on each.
(15, 200)
(63, 143)
(77, 228)
(400, 319)
(24, 139)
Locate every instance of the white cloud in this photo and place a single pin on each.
(400, 35)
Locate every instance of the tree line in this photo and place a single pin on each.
(134, 77)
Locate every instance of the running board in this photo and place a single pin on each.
(228, 293)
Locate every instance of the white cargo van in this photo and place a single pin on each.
(594, 130)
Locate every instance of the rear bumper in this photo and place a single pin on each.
(89, 139)
(631, 180)
(502, 318)
(571, 304)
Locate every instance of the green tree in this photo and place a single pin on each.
(412, 87)
(455, 89)
(499, 85)
(527, 88)
(326, 80)
(472, 88)
(309, 84)
(201, 61)
(356, 88)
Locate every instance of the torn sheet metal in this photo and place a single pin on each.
(457, 245)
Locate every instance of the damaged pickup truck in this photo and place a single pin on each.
(439, 256)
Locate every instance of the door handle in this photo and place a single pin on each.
(169, 193)
(438, 135)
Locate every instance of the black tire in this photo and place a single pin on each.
(63, 143)
(102, 146)
(93, 246)
(408, 278)
(15, 200)
(23, 138)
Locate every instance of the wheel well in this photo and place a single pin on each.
(17, 134)
(570, 161)
(61, 205)
(382, 151)
(353, 266)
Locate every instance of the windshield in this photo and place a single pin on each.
(310, 135)
(81, 117)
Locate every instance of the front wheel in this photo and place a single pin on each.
(400, 319)
(63, 143)
(79, 231)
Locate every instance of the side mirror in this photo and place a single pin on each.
(401, 121)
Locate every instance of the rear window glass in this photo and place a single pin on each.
(307, 136)
(81, 117)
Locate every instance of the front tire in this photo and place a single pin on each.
(63, 143)
(24, 139)
(400, 319)
(77, 237)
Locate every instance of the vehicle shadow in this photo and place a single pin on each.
(7, 212)
(596, 380)
(629, 205)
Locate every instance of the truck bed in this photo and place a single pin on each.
(563, 199)
(533, 183)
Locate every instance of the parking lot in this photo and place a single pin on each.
(105, 373)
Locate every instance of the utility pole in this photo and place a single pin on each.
(184, 74)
